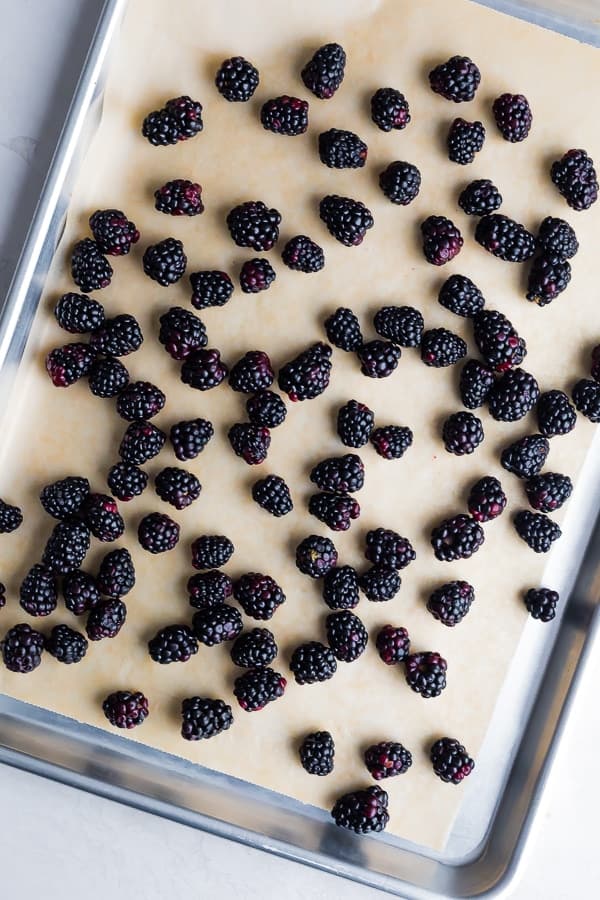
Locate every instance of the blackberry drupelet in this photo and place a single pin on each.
(347, 220)
(387, 548)
(22, 649)
(78, 313)
(555, 414)
(64, 498)
(513, 117)
(342, 149)
(380, 583)
(480, 198)
(537, 530)
(505, 238)
(105, 620)
(486, 499)
(402, 325)
(273, 495)
(461, 296)
(497, 340)
(118, 336)
(66, 547)
(80, 592)
(557, 238)
(267, 409)
(66, 365)
(254, 225)
(254, 649)
(303, 255)
(203, 369)
(324, 72)
(204, 717)
(38, 594)
(250, 442)
(66, 645)
(457, 538)
(346, 635)
(378, 359)
(181, 333)
(11, 517)
(210, 288)
(440, 348)
(206, 589)
(426, 673)
(158, 533)
(257, 687)
(386, 759)
(343, 329)
(140, 400)
(548, 277)
(549, 491)
(339, 474)
(362, 811)
(256, 275)
(393, 644)
(312, 662)
(442, 240)
(177, 486)
(179, 198)
(175, 643)
(178, 120)
(513, 396)
(462, 433)
(340, 588)
(389, 109)
(586, 397)
(116, 575)
(541, 603)
(525, 457)
(237, 79)
(456, 80)
(392, 441)
(307, 375)
(285, 115)
(355, 422)
(317, 752)
(450, 760)
(126, 481)
(165, 262)
(107, 377)
(126, 709)
(90, 270)
(189, 438)
(575, 177)
(451, 602)
(211, 551)
(316, 555)
(400, 182)
(252, 373)
(259, 595)
(217, 624)
(476, 382)
(113, 232)
(464, 140)
(101, 515)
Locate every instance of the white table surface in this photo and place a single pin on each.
(61, 843)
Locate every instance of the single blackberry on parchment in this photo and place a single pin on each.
(480, 198)
(355, 422)
(78, 313)
(347, 220)
(464, 140)
(118, 336)
(450, 760)
(380, 583)
(403, 325)
(126, 481)
(440, 348)
(476, 382)
(179, 198)
(346, 635)
(273, 495)
(107, 377)
(177, 486)
(400, 182)
(206, 589)
(90, 270)
(378, 359)
(393, 644)
(307, 375)
(303, 255)
(498, 341)
(22, 649)
(339, 474)
(165, 262)
(254, 649)
(337, 511)
(175, 643)
(317, 752)
(462, 433)
(541, 603)
(80, 592)
(586, 397)
(575, 177)
(451, 602)
(266, 409)
(259, 595)
(126, 709)
(252, 373)
(392, 441)
(526, 456)
(513, 116)
(316, 555)
(343, 329)
(250, 442)
(181, 332)
(342, 149)
(105, 620)
(140, 400)
(386, 547)
(442, 240)
(66, 365)
(66, 547)
(203, 369)
(549, 491)
(457, 538)
(211, 551)
(210, 288)
(324, 72)
(66, 645)
(557, 238)
(312, 662)
(387, 759)
(555, 414)
(113, 232)
(548, 278)
(256, 275)
(457, 79)
(257, 687)
(426, 673)
(487, 499)
(237, 79)
(340, 588)
(158, 533)
(64, 498)
(461, 296)
(189, 438)
(537, 530)
(116, 575)
(363, 811)
(505, 238)
(38, 594)
(254, 225)
(101, 515)
(513, 396)
(217, 624)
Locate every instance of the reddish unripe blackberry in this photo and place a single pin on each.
(113, 232)
(252, 373)
(250, 442)
(486, 500)
(66, 365)
(126, 709)
(324, 72)
(393, 644)
(387, 759)
(179, 198)
(450, 760)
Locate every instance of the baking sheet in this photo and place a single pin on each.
(60, 432)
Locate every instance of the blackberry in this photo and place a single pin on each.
(457, 538)
(66, 547)
(250, 442)
(498, 341)
(451, 602)
(254, 649)
(237, 79)
(393, 644)
(161, 128)
(66, 365)
(189, 438)
(126, 481)
(526, 457)
(347, 220)
(179, 198)
(140, 400)
(165, 262)
(389, 109)
(324, 72)
(252, 373)
(38, 594)
(158, 533)
(513, 396)
(586, 397)
(555, 415)
(339, 474)
(346, 635)
(80, 591)
(480, 198)
(513, 117)
(316, 555)
(537, 530)
(541, 603)
(11, 517)
(117, 337)
(78, 313)
(107, 377)
(177, 486)
(22, 649)
(386, 759)
(211, 551)
(285, 115)
(113, 232)
(267, 409)
(486, 500)
(64, 498)
(257, 687)
(116, 575)
(175, 643)
(440, 348)
(253, 225)
(363, 811)
(256, 275)
(442, 240)
(125, 709)
(90, 270)
(385, 547)
(380, 583)
(557, 238)
(505, 238)
(456, 80)
(204, 717)
(303, 255)
(210, 288)
(548, 277)
(464, 140)
(217, 624)
(312, 662)
(402, 325)
(178, 120)
(355, 422)
(340, 588)
(392, 441)
(462, 433)
(342, 149)
(207, 589)
(426, 673)
(343, 329)
(66, 645)
(317, 752)
(450, 760)
(181, 333)
(549, 491)
(101, 515)
(461, 296)
(273, 495)
(307, 375)
(575, 177)
(203, 369)
(378, 359)
(259, 595)
(400, 182)
(105, 620)
(476, 382)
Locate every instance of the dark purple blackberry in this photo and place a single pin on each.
(312, 662)
(392, 441)
(90, 270)
(158, 533)
(486, 500)
(393, 644)
(505, 238)
(513, 117)
(513, 396)
(456, 80)
(273, 494)
(426, 673)
(387, 548)
(440, 348)
(177, 486)
(389, 109)
(204, 717)
(548, 277)
(575, 177)
(66, 547)
(126, 481)
(161, 128)
(537, 530)
(339, 474)
(125, 709)
(66, 365)
(203, 369)
(442, 240)
(378, 359)
(498, 341)
(451, 602)
(38, 594)
(317, 752)
(107, 377)
(363, 811)
(178, 120)
(250, 442)
(526, 457)
(343, 329)
(210, 288)
(113, 232)
(586, 397)
(64, 498)
(386, 759)
(257, 687)
(480, 198)
(461, 296)
(555, 415)
(462, 433)
(303, 255)
(285, 115)
(11, 517)
(165, 262)
(346, 635)
(541, 603)
(557, 238)
(117, 337)
(105, 620)
(140, 400)
(175, 643)
(211, 551)
(316, 555)
(400, 182)
(217, 624)
(256, 275)
(355, 422)
(307, 375)
(402, 325)
(549, 491)
(66, 645)
(259, 595)
(464, 140)
(450, 760)
(142, 441)
(78, 313)
(324, 72)
(207, 589)
(476, 382)
(80, 592)
(342, 149)
(190, 438)
(236, 79)
(252, 373)
(254, 649)
(101, 515)
(253, 225)
(340, 588)
(22, 649)
(267, 409)
(116, 575)
(181, 333)
(380, 583)
(179, 198)
(457, 538)
(347, 220)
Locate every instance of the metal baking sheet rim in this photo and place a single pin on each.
(579, 629)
